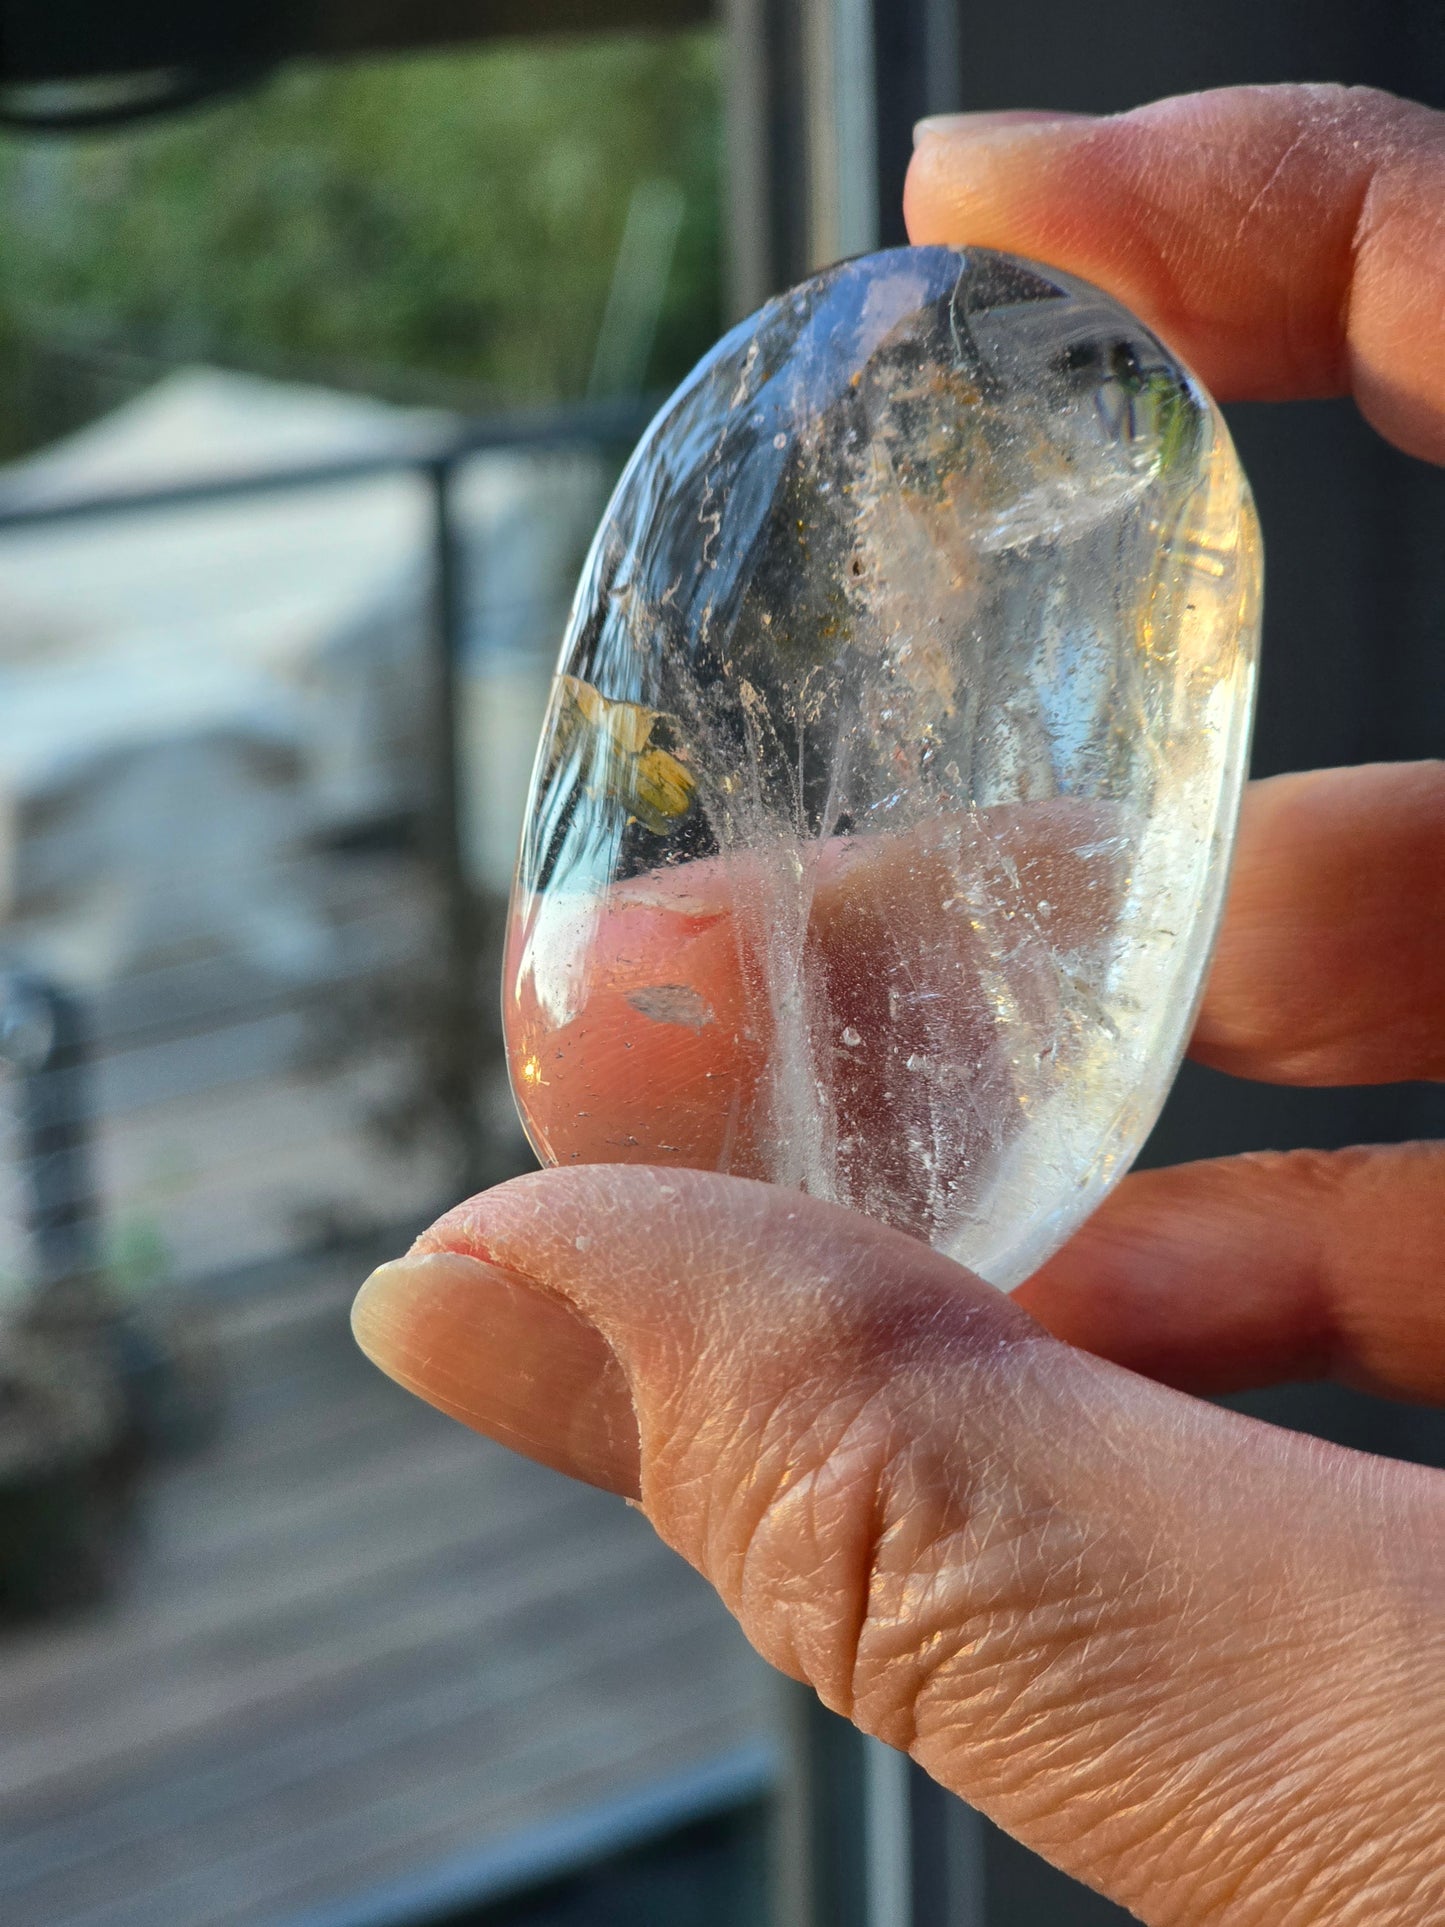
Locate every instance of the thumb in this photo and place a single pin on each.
(1187, 1657)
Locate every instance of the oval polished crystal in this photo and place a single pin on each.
(882, 815)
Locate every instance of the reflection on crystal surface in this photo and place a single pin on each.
(882, 814)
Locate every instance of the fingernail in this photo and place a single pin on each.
(517, 1363)
(952, 126)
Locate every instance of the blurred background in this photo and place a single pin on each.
(324, 332)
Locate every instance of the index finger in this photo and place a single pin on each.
(1288, 241)
(640, 1027)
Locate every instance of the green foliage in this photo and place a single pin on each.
(453, 218)
(137, 1258)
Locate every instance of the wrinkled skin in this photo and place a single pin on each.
(1195, 1661)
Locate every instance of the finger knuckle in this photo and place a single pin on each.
(917, 1581)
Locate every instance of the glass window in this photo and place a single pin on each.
(309, 402)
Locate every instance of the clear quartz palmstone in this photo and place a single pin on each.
(882, 816)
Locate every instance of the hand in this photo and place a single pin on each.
(1193, 1660)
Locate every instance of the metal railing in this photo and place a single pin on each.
(435, 457)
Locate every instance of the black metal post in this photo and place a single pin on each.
(865, 1838)
(42, 1038)
(822, 1850)
(917, 71)
(946, 1844)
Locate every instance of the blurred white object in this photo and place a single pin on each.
(213, 719)
(192, 696)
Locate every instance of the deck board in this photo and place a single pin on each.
(355, 1640)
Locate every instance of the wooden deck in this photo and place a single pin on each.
(356, 1641)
